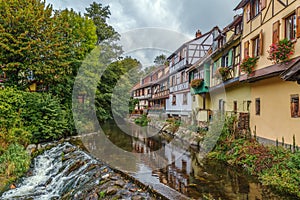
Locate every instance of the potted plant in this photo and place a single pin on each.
(196, 83)
(223, 72)
(248, 64)
(281, 51)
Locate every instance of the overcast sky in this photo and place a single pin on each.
(181, 16)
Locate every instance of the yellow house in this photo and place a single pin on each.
(274, 102)
(227, 94)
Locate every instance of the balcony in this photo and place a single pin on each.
(182, 86)
(147, 96)
(202, 88)
(178, 66)
(161, 95)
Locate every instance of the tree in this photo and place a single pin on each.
(115, 84)
(40, 46)
(99, 15)
(160, 60)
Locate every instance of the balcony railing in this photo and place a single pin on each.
(147, 96)
(182, 86)
(161, 94)
(178, 66)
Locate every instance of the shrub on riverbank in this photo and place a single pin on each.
(275, 167)
(14, 162)
(142, 120)
(30, 117)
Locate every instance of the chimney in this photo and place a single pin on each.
(198, 34)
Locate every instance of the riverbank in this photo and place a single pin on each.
(275, 167)
(67, 172)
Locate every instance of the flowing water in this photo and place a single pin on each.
(59, 171)
(171, 167)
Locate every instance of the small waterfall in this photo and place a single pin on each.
(59, 171)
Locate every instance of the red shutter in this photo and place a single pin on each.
(298, 21)
(276, 32)
(261, 43)
(246, 49)
(263, 4)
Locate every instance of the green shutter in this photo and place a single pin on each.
(219, 62)
(230, 57)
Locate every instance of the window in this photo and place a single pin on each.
(257, 106)
(226, 61)
(295, 112)
(246, 49)
(290, 27)
(237, 59)
(201, 74)
(235, 106)
(248, 105)
(182, 77)
(256, 47)
(174, 99)
(238, 29)
(248, 12)
(255, 8)
(173, 81)
(184, 102)
(221, 105)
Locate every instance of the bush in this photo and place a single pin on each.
(26, 116)
(142, 120)
(44, 117)
(15, 161)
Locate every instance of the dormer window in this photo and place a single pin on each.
(237, 29)
(255, 8)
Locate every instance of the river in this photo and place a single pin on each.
(169, 166)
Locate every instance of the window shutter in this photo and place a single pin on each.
(263, 4)
(261, 43)
(230, 54)
(298, 21)
(248, 12)
(292, 109)
(246, 49)
(276, 32)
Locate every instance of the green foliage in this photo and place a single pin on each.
(282, 51)
(132, 103)
(248, 64)
(30, 116)
(276, 167)
(197, 83)
(114, 87)
(44, 117)
(102, 194)
(99, 15)
(142, 120)
(160, 60)
(14, 161)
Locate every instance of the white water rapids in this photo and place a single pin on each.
(51, 177)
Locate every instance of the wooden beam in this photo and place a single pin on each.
(285, 5)
(266, 12)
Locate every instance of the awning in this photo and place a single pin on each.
(292, 73)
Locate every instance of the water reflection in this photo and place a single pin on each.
(184, 169)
